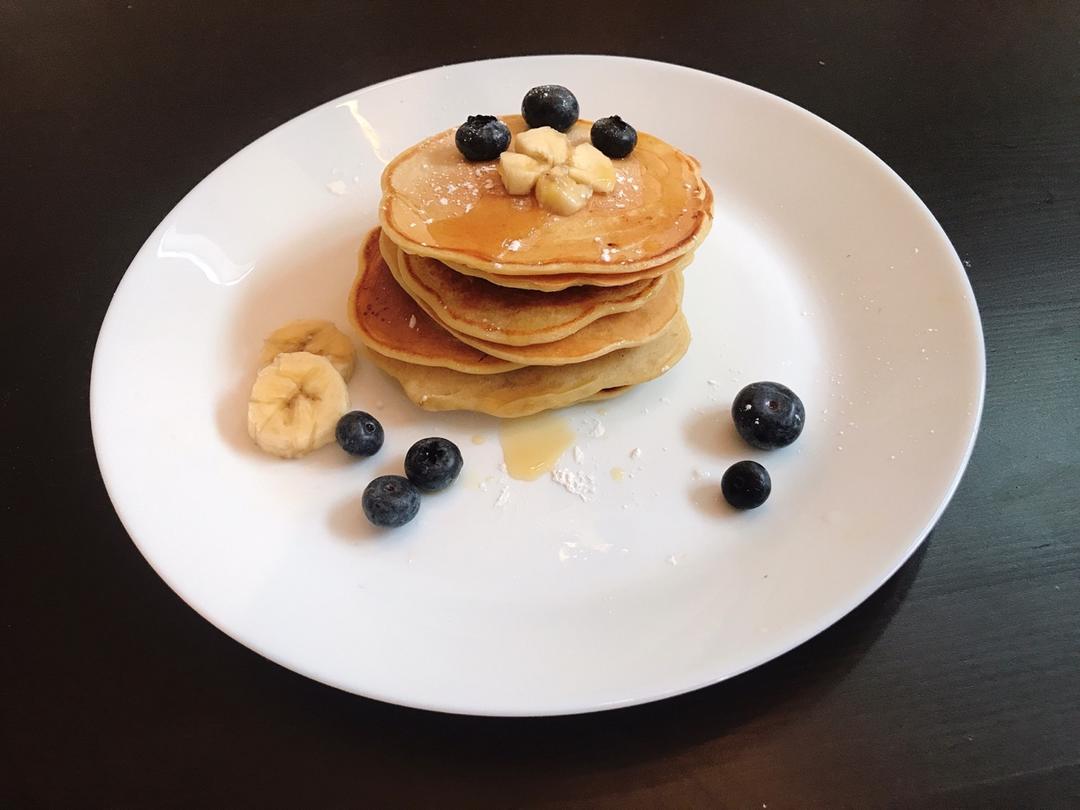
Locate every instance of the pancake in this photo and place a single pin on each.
(608, 393)
(437, 204)
(537, 388)
(600, 337)
(392, 323)
(477, 308)
(562, 281)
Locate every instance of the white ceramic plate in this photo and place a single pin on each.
(823, 271)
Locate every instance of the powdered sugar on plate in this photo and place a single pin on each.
(576, 483)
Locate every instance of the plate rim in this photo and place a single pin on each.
(571, 708)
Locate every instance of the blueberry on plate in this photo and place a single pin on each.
(746, 485)
(613, 136)
(359, 434)
(390, 501)
(768, 415)
(433, 464)
(482, 137)
(550, 105)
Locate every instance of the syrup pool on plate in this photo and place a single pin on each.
(531, 445)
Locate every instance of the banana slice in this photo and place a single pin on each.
(579, 133)
(591, 166)
(544, 144)
(558, 192)
(519, 172)
(317, 337)
(295, 404)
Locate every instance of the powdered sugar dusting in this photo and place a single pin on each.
(576, 483)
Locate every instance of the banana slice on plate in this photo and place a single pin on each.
(296, 403)
(317, 337)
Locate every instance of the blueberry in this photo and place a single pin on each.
(550, 105)
(359, 434)
(433, 464)
(482, 137)
(768, 415)
(746, 485)
(613, 136)
(391, 500)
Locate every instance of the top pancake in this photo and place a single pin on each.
(436, 203)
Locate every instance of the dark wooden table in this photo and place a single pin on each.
(957, 685)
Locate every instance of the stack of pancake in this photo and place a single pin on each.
(474, 299)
